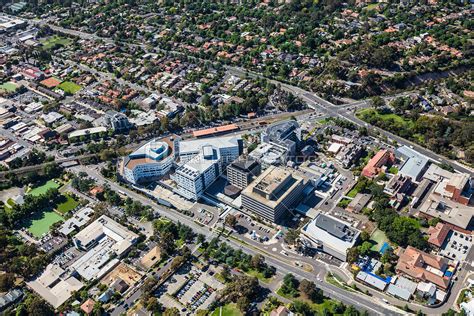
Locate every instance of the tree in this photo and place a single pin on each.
(167, 243)
(37, 307)
(257, 262)
(352, 254)
(364, 249)
(291, 236)
(308, 288)
(378, 102)
(171, 312)
(243, 304)
(7, 280)
(153, 305)
(231, 220)
(365, 236)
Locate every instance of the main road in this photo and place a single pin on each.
(361, 301)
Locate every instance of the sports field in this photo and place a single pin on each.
(227, 310)
(50, 42)
(40, 223)
(45, 187)
(8, 86)
(67, 205)
(379, 238)
(69, 87)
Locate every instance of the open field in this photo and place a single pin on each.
(68, 205)
(227, 310)
(8, 86)
(69, 87)
(50, 42)
(40, 223)
(44, 188)
(385, 117)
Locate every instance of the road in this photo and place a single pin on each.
(283, 266)
(317, 103)
(373, 305)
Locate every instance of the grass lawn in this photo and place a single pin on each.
(68, 205)
(8, 86)
(69, 87)
(49, 42)
(227, 310)
(393, 170)
(352, 193)
(379, 238)
(45, 187)
(40, 223)
(259, 276)
(385, 117)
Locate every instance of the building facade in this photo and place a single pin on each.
(149, 162)
(274, 193)
(197, 174)
(241, 173)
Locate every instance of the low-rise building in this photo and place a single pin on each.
(424, 267)
(377, 163)
(438, 234)
(272, 194)
(454, 186)
(358, 202)
(414, 164)
(55, 285)
(398, 184)
(330, 235)
(117, 121)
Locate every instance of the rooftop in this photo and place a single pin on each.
(332, 232)
(423, 266)
(273, 185)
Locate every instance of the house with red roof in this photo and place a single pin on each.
(377, 163)
(438, 234)
(423, 267)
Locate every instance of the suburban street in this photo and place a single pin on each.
(377, 303)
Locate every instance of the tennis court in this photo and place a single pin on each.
(379, 238)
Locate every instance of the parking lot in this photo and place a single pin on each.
(456, 246)
(205, 214)
(190, 288)
(253, 229)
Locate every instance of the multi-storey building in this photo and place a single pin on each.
(149, 162)
(274, 193)
(241, 172)
(196, 174)
(229, 147)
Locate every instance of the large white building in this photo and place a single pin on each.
(229, 147)
(197, 173)
(330, 235)
(149, 162)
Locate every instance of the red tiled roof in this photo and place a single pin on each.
(438, 234)
(214, 130)
(415, 263)
(50, 82)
